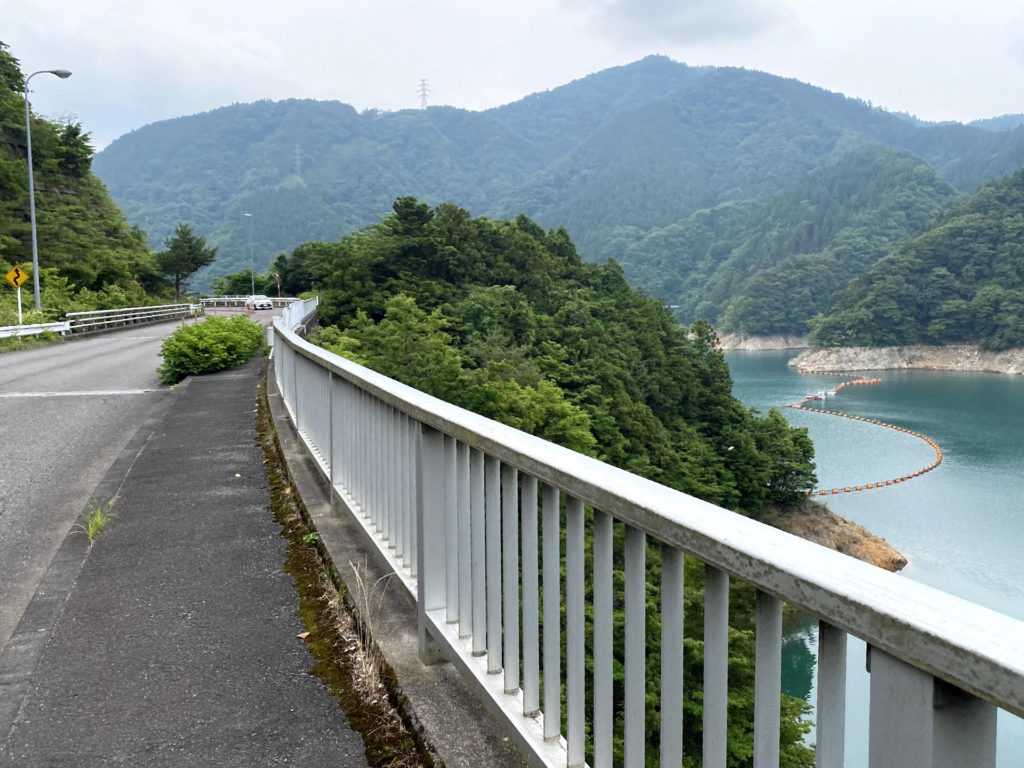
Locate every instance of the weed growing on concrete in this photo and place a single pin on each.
(96, 517)
(368, 599)
(311, 538)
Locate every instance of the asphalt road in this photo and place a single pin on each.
(66, 412)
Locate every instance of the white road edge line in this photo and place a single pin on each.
(79, 393)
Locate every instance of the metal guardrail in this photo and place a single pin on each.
(14, 331)
(106, 319)
(451, 498)
(239, 301)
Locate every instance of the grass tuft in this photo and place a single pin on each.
(96, 518)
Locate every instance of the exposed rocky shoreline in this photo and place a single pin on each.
(816, 522)
(758, 343)
(954, 357)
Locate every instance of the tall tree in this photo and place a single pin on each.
(186, 253)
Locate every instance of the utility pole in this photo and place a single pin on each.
(423, 94)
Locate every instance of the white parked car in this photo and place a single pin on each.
(259, 302)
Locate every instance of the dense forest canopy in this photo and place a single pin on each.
(89, 256)
(619, 158)
(503, 318)
(960, 281)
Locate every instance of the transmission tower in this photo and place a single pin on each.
(423, 94)
(298, 160)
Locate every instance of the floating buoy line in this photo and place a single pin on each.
(861, 381)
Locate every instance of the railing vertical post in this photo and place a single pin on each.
(510, 575)
(917, 721)
(575, 649)
(671, 657)
(331, 462)
(390, 477)
(603, 627)
(401, 472)
(465, 544)
(965, 729)
(412, 440)
(451, 532)
(492, 510)
(478, 541)
(552, 597)
(531, 597)
(636, 646)
(716, 666)
(830, 743)
(767, 681)
(429, 540)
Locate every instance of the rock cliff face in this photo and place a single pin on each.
(757, 343)
(955, 357)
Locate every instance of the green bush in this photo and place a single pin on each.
(213, 345)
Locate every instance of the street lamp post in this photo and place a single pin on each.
(252, 264)
(62, 74)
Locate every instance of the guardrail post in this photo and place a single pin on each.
(430, 539)
(917, 721)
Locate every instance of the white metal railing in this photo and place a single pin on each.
(238, 301)
(107, 319)
(13, 331)
(296, 312)
(470, 513)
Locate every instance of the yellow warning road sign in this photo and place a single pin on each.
(17, 277)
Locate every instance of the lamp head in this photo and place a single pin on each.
(63, 74)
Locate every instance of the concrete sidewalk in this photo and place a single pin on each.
(174, 642)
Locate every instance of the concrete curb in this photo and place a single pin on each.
(436, 699)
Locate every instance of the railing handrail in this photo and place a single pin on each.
(128, 310)
(965, 644)
(278, 300)
(33, 329)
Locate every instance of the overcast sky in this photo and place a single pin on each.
(136, 62)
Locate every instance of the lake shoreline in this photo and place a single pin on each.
(815, 522)
(954, 357)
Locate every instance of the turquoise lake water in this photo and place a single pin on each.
(961, 526)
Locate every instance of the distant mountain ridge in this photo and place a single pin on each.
(612, 157)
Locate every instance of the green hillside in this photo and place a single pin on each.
(767, 267)
(611, 157)
(89, 255)
(962, 280)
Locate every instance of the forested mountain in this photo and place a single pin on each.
(769, 266)
(611, 156)
(962, 280)
(1001, 123)
(89, 255)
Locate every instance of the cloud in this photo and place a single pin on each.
(672, 22)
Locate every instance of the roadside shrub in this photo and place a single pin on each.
(213, 345)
